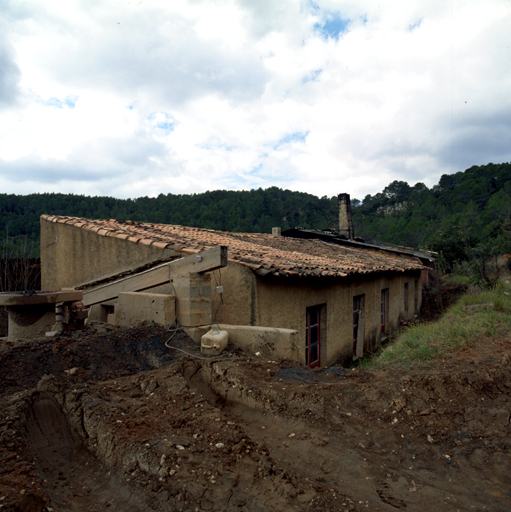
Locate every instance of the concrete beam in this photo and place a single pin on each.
(39, 298)
(204, 261)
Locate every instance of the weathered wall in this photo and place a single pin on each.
(239, 295)
(72, 256)
(283, 302)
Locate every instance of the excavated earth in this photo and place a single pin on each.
(116, 420)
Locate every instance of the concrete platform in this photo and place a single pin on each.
(32, 313)
(31, 297)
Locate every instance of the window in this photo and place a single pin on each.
(406, 297)
(358, 326)
(315, 333)
(384, 311)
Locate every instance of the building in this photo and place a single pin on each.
(341, 296)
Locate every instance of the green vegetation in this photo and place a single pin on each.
(237, 211)
(477, 316)
(465, 217)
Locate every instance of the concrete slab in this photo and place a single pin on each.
(134, 308)
(270, 342)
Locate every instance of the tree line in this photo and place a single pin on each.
(465, 214)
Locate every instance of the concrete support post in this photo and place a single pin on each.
(30, 322)
(193, 299)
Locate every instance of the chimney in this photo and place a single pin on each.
(345, 220)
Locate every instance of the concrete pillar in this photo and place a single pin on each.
(193, 299)
(30, 322)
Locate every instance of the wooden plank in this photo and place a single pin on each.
(202, 262)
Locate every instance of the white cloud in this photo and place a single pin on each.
(140, 98)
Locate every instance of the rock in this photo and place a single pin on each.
(319, 441)
(195, 490)
(47, 383)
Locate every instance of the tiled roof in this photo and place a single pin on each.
(263, 253)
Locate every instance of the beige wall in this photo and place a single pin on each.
(72, 256)
(282, 302)
(239, 295)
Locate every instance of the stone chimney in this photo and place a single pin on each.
(345, 220)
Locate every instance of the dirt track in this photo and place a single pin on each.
(133, 426)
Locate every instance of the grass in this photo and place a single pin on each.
(458, 280)
(476, 315)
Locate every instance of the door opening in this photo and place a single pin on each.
(315, 332)
(358, 326)
(384, 313)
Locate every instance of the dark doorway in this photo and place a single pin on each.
(358, 326)
(384, 311)
(315, 321)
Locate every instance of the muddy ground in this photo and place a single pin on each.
(117, 421)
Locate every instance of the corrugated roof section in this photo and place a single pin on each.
(263, 253)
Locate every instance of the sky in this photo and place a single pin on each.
(147, 97)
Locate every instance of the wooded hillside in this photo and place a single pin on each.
(464, 212)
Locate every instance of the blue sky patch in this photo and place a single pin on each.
(53, 102)
(311, 77)
(69, 101)
(292, 137)
(166, 126)
(216, 146)
(415, 25)
(333, 26)
(163, 121)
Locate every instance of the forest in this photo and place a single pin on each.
(465, 215)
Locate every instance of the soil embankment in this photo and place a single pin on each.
(118, 421)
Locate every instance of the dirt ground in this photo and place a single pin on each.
(115, 420)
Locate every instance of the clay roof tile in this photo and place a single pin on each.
(262, 253)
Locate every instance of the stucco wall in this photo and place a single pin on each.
(282, 302)
(239, 295)
(72, 256)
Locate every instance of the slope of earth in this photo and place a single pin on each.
(117, 420)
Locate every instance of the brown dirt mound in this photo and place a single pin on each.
(165, 432)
